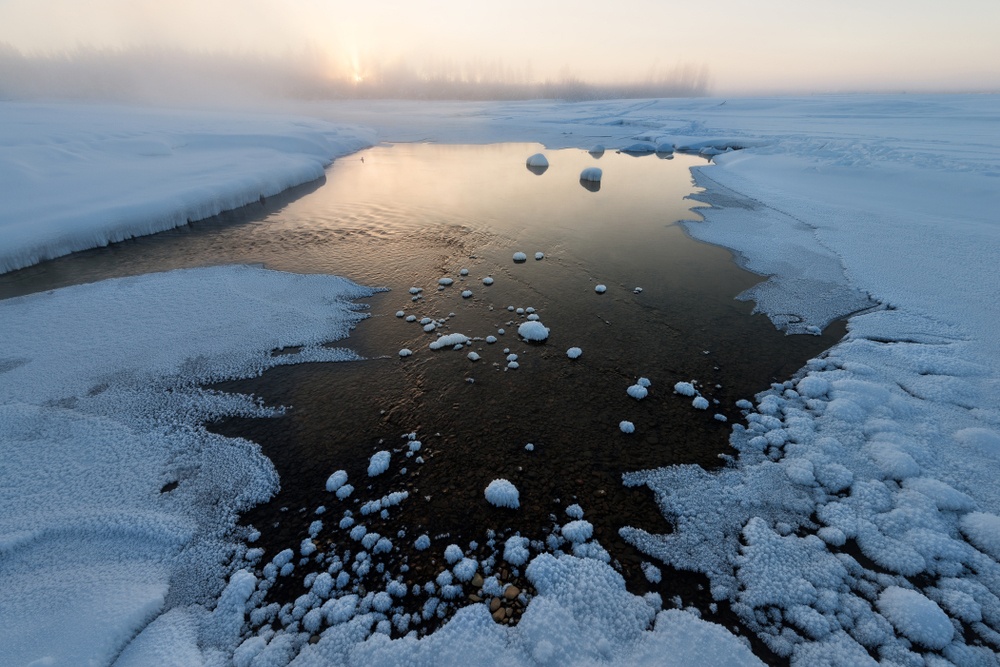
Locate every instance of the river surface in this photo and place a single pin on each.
(405, 216)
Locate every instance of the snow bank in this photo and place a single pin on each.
(74, 176)
(99, 410)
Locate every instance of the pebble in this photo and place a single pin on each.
(511, 592)
(494, 605)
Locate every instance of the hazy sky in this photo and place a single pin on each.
(747, 46)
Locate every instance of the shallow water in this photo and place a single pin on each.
(407, 215)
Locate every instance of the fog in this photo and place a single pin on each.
(238, 51)
(160, 75)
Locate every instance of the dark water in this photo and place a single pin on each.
(407, 215)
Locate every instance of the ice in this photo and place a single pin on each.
(126, 172)
(537, 160)
(533, 331)
(574, 353)
(501, 493)
(687, 389)
(336, 480)
(578, 531)
(983, 531)
(637, 391)
(453, 553)
(601, 289)
(515, 550)
(591, 175)
(916, 617)
(626, 427)
(520, 257)
(449, 340)
(116, 553)
(378, 463)
(597, 151)
(854, 206)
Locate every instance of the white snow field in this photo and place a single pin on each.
(858, 520)
(99, 410)
(76, 176)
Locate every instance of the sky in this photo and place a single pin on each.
(737, 46)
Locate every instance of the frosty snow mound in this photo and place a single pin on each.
(99, 409)
(76, 176)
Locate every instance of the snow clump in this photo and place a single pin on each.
(400, 313)
(685, 389)
(574, 353)
(515, 550)
(626, 427)
(637, 391)
(450, 340)
(520, 257)
(445, 281)
(533, 331)
(537, 160)
(336, 480)
(916, 617)
(591, 175)
(487, 280)
(700, 403)
(466, 293)
(539, 255)
(473, 356)
(405, 352)
(501, 493)
(601, 289)
(378, 463)
(578, 531)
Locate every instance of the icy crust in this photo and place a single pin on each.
(116, 507)
(125, 172)
(859, 517)
(581, 614)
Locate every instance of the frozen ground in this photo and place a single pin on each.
(858, 521)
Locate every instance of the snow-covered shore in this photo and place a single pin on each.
(79, 176)
(858, 519)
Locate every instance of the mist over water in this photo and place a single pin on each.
(158, 75)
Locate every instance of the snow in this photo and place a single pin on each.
(445, 281)
(700, 403)
(637, 391)
(501, 493)
(336, 480)
(537, 160)
(687, 389)
(83, 411)
(574, 353)
(378, 463)
(880, 208)
(591, 175)
(578, 531)
(601, 289)
(74, 176)
(916, 617)
(626, 427)
(487, 280)
(539, 256)
(533, 331)
(405, 352)
(520, 257)
(449, 340)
